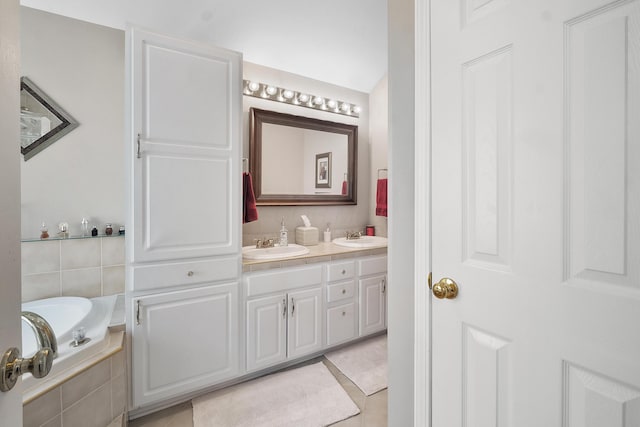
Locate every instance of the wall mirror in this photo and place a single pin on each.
(298, 160)
(42, 120)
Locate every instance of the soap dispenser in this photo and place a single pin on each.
(284, 238)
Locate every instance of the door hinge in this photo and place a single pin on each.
(284, 308)
(429, 280)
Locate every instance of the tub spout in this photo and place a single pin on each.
(45, 336)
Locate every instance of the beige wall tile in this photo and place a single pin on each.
(118, 364)
(113, 280)
(42, 409)
(82, 283)
(40, 257)
(112, 250)
(80, 253)
(80, 386)
(92, 411)
(56, 422)
(38, 286)
(118, 395)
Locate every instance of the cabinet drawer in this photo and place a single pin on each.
(341, 290)
(341, 324)
(166, 275)
(341, 270)
(372, 265)
(283, 279)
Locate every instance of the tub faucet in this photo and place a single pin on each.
(45, 336)
(12, 366)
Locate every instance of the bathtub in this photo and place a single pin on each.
(66, 314)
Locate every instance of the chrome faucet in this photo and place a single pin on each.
(12, 366)
(265, 243)
(45, 336)
(352, 235)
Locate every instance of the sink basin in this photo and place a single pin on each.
(362, 242)
(277, 252)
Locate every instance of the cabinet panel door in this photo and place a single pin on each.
(183, 341)
(266, 331)
(184, 133)
(342, 324)
(305, 322)
(372, 304)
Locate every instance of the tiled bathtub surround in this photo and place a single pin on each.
(89, 267)
(91, 399)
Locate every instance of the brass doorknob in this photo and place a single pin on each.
(445, 288)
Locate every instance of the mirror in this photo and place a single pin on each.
(42, 121)
(298, 160)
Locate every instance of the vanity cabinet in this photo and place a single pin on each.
(372, 285)
(184, 340)
(284, 315)
(184, 111)
(342, 307)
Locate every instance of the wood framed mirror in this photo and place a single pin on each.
(297, 160)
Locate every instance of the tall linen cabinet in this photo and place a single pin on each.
(184, 123)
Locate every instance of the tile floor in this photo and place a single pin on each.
(373, 409)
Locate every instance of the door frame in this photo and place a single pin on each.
(10, 324)
(422, 226)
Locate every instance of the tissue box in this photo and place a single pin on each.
(307, 236)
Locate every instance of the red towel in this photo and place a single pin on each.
(249, 208)
(381, 198)
(344, 188)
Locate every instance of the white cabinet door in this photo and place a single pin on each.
(372, 304)
(305, 322)
(266, 331)
(183, 148)
(183, 341)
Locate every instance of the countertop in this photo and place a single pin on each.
(322, 252)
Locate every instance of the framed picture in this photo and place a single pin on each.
(323, 170)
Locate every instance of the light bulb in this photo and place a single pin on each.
(303, 97)
(318, 100)
(356, 109)
(271, 90)
(253, 86)
(287, 94)
(331, 103)
(345, 107)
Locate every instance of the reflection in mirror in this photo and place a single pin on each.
(42, 121)
(297, 160)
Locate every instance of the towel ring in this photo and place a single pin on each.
(381, 170)
(245, 161)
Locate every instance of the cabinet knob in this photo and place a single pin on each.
(344, 291)
(190, 273)
(344, 313)
(344, 271)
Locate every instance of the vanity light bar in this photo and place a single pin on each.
(287, 96)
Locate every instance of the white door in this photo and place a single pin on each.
(304, 333)
(184, 341)
(372, 304)
(185, 139)
(10, 327)
(266, 331)
(536, 212)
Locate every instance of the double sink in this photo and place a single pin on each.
(293, 250)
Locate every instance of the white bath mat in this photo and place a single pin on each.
(364, 363)
(304, 397)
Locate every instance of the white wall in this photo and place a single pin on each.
(281, 157)
(341, 217)
(379, 141)
(80, 66)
